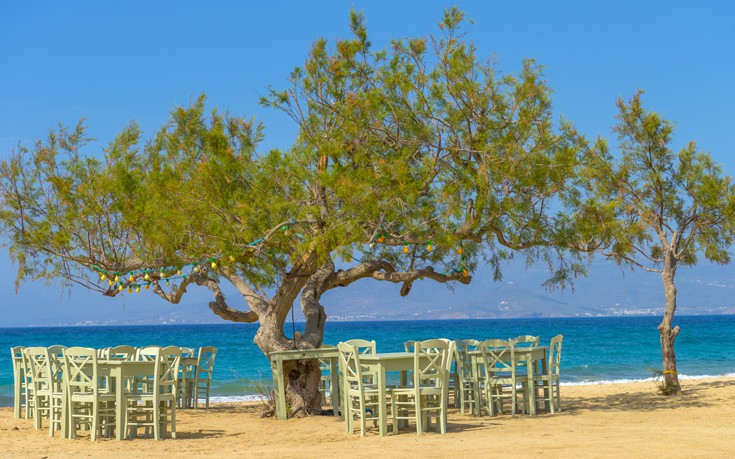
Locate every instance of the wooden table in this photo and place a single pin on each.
(531, 356)
(278, 357)
(121, 371)
(383, 363)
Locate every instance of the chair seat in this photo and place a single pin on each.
(90, 397)
(149, 396)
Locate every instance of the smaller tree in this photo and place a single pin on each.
(653, 209)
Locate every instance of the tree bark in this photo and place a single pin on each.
(667, 332)
(302, 377)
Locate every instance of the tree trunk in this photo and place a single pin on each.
(302, 377)
(667, 332)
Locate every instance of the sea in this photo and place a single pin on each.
(595, 349)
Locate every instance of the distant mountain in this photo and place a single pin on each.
(607, 291)
(704, 289)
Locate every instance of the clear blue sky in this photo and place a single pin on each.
(113, 62)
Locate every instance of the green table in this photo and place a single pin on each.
(278, 357)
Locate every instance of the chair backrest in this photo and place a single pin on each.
(555, 355)
(205, 362)
(81, 373)
(498, 356)
(166, 374)
(350, 367)
(56, 364)
(27, 375)
(16, 356)
(526, 340)
(363, 346)
(16, 353)
(38, 360)
(147, 352)
(188, 352)
(122, 352)
(432, 359)
(409, 345)
(462, 360)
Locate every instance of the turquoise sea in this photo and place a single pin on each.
(599, 349)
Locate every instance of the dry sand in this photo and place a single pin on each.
(611, 420)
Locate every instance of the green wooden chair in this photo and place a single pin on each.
(427, 397)
(19, 381)
(89, 402)
(500, 382)
(466, 391)
(27, 381)
(547, 384)
(46, 374)
(203, 378)
(409, 345)
(153, 404)
(360, 399)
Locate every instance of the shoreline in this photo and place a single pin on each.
(600, 420)
(256, 398)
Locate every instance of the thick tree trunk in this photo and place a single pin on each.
(667, 332)
(302, 377)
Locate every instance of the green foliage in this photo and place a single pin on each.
(419, 144)
(650, 203)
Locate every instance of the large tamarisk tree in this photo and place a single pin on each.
(416, 162)
(656, 210)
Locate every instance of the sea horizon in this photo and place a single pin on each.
(596, 350)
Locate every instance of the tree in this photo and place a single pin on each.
(411, 163)
(655, 210)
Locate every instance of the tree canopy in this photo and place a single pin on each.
(418, 161)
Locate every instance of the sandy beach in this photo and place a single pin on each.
(609, 420)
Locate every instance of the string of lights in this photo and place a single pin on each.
(116, 278)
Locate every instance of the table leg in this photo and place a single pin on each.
(382, 402)
(120, 405)
(531, 391)
(547, 393)
(476, 383)
(334, 383)
(279, 391)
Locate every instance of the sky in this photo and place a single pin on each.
(115, 62)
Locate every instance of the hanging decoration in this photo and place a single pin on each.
(113, 277)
